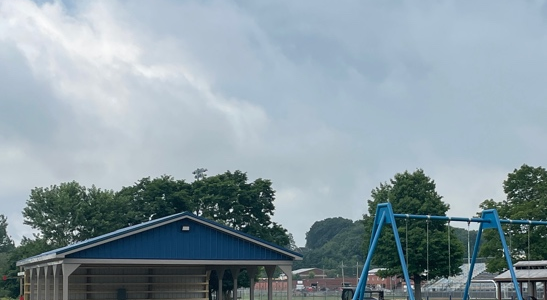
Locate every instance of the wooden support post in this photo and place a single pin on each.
(251, 271)
(288, 272)
(220, 275)
(67, 270)
(235, 274)
(269, 272)
(56, 282)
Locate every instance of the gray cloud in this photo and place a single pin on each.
(327, 100)
(25, 114)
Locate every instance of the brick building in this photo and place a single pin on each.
(320, 281)
(376, 282)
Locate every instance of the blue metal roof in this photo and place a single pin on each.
(164, 239)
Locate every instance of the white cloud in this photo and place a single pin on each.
(326, 99)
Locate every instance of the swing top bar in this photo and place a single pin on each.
(469, 220)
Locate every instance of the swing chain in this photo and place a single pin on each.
(529, 229)
(449, 260)
(406, 241)
(468, 243)
(427, 245)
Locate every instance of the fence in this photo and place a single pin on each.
(243, 294)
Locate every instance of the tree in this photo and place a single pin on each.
(155, 198)
(323, 231)
(200, 173)
(243, 281)
(70, 212)
(6, 247)
(6, 243)
(414, 193)
(292, 244)
(345, 246)
(27, 248)
(229, 199)
(526, 198)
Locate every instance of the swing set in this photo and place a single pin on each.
(489, 220)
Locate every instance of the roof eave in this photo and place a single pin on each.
(37, 259)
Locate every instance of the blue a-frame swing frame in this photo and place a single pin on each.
(489, 220)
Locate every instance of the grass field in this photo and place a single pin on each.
(278, 295)
(284, 297)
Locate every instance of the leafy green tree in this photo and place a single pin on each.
(70, 212)
(323, 231)
(5, 286)
(6, 247)
(526, 198)
(243, 281)
(346, 246)
(200, 173)
(155, 198)
(230, 199)
(292, 244)
(415, 193)
(27, 248)
(6, 243)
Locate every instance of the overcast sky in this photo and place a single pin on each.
(326, 98)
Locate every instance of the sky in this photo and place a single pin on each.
(328, 99)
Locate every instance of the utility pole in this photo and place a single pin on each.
(357, 273)
(343, 280)
(199, 174)
(324, 276)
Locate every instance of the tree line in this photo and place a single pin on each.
(69, 212)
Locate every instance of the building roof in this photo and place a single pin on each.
(304, 270)
(531, 263)
(524, 275)
(526, 270)
(165, 239)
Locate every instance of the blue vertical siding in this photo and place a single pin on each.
(168, 241)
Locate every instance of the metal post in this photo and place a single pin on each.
(401, 256)
(385, 214)
(360, 288)
(473, 259)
